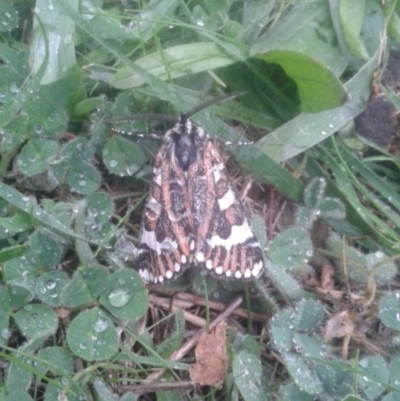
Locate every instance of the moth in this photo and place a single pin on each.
(192, 215)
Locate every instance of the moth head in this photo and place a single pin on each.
(182, 138)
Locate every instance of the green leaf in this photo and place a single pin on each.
(34, 156)
(18, 396)
(13, 297)
(85, 106)
(282, 330)
(36, 321)
(389, 310)
(8, 18)
(308, 314)
(302, 374)
(314, 192)
(175, 62)
(376, 373)
(55, 360)
(122, 157)
(5, 332)
(22, 202)
(247, 372)
(45, 251)
(19, 374)
(13, 252)
(83, 178)
(326, 91)
(125, 296)
(290, 248)
(351, 16)
(86, 285)
(331, 208)
(306, 130)
(99, 207)
(50, 285)
(292, 392)
(63, 389)
(92, 336)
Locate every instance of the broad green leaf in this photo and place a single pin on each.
(99, 207)
(49, 287)
(389, 310)
(13, 252)
(59, 39)
(292, 392)
(92, 336)
(5, 331)
(122, 157)
(56, 360)
(306, 130)
(290, 248)
(281, 326)
(36, 321)
(8, 17)
(302, 374)
(351, 17)
(385, 271)
(308, 314)
(125, 296)
(247, 372)
(376, 373)
(18, 396)
(13, 297)
(314, 192)
(175, 62)
(34, 156)
(83, 178)
(65, 389)
(22, 202)
(317, 86)
(86, 285)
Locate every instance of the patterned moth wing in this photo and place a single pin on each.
(192, 214)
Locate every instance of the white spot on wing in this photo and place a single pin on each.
(227, 200)
(154, 206)
(183, 259)
(145, 275)
(216, 170)
(149, 238)
(200, 256)
(247, 273)
(239, 234)
(157, 176)
(238, 274)
(209, 264)
(257, 268)
(219, 270)
(177, 267)
(168, 274)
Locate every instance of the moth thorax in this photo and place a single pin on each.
(185, 150)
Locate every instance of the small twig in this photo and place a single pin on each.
(184, 300)
(181, 352)
(150, 388)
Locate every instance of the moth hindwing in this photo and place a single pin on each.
(192, 215)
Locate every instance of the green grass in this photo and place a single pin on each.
(76, 321)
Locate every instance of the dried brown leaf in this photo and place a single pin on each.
(211, 358)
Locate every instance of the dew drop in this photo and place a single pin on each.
(119, 297)
(100, 325)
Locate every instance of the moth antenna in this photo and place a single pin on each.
(210, 102)
(143, 117)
